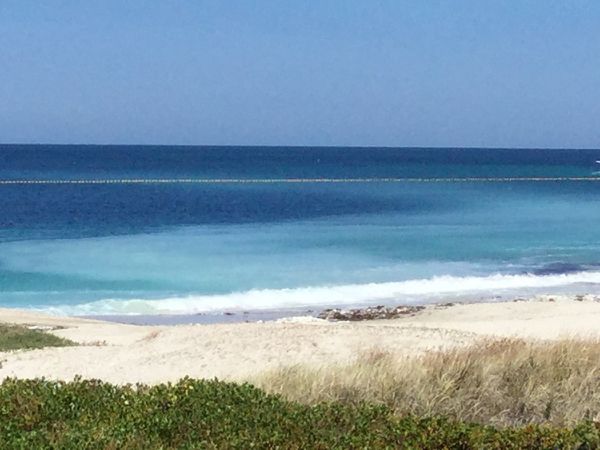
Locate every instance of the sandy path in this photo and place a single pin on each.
(151, 354)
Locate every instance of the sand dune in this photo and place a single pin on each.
(152, 354)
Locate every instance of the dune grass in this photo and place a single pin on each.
(18, 337)
(501, 383)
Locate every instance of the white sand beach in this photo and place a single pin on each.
(151, 354)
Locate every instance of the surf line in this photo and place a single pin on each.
(294, 180)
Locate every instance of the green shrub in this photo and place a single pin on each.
(17, 337)
(213, 414)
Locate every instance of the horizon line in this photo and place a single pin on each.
(103, 181)
(401, 147)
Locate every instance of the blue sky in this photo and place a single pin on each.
(521, 73)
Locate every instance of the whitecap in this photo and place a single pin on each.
(350, 294)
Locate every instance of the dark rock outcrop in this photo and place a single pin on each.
(369, 313)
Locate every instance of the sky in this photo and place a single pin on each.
(520, 73)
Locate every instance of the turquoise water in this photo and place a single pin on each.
(212, 246)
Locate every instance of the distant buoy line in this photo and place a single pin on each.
(295, 180)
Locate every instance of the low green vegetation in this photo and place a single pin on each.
(17, 337)
(211, 414)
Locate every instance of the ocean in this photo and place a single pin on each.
(118, 230)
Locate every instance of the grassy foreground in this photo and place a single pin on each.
(17, 337)
(502, 383)
(211, 414)
(509, 394)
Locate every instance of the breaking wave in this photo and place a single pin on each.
(419, 290)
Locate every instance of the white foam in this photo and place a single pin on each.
(411, 290)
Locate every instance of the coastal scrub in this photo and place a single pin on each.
(197, 414)
(19, 337)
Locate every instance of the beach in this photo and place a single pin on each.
(121, 353)
(324, 225)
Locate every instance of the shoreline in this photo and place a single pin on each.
(212, 318)
(238, 315)
(125, 353)
(184, 310)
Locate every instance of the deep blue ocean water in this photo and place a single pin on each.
(192, 247)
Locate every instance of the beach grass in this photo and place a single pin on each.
(502, 383)
(19, 337)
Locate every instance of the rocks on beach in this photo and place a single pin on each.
(369, 313)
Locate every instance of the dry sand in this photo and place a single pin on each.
(151, 354)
